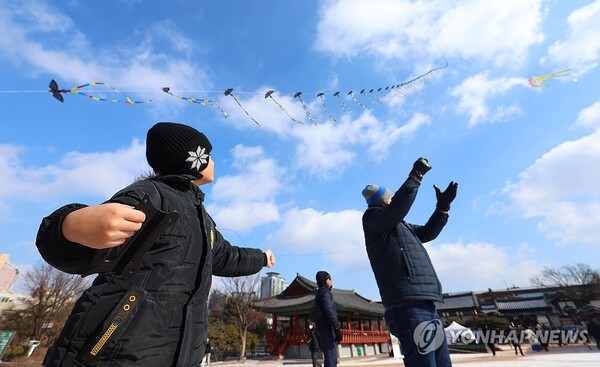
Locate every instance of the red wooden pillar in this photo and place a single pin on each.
(379, 323)
(360, 322)
(370, 324)
(296, 328)
(348, 321)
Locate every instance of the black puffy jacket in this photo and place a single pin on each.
(324, 300)
(159, 317)
(400, 262)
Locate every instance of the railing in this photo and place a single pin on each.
(278, 342)
(364, 337)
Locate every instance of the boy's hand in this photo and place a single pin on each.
(102, 226)
(270, 259)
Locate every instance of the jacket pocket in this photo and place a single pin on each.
(406, 264)
(113, 326)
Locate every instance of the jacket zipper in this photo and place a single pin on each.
(106, 336)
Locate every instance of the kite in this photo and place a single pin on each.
(537, 81)
(269, 94)
(57, 93)
(229, 92)
(377, 101)
(308, 114)
(345, 107)
(322, 96)
(201, 101)
(351, 94)
(367, 97)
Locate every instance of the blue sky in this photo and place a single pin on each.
(526, 159)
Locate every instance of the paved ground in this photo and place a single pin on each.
(570, 356)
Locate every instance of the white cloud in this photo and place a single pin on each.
(336, 237)
(329, 148)
(479, 265)
(326, 148)
(580, 48)
(589, 117)
(476, 93)
(247, 200)
(561, 189)
(44, 40)
(76, 174)
(491, 30)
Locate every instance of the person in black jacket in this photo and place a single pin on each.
(327, 327)
(407, 281)
(207, 352)
(158, 315)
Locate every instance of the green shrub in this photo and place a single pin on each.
(14, 352)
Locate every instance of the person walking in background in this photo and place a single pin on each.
(407, 281)
(517, 340)
(207, 352)
(327, 327)
(156, 316)
(313, 346)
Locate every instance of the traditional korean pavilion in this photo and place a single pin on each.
(361, 321)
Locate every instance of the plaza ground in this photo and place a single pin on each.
(569, 356)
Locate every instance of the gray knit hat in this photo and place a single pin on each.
(173, 148)
(376, 195)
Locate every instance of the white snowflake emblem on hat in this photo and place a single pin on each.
(198, 157)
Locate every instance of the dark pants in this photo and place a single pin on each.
(516, 345)
(492, 347)
(328, 347)
(421, 335)
(316, 359)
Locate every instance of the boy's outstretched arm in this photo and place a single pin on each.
(102, 226)
(69, 239)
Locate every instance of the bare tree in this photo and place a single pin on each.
(567, 275)
(580, 281)
(53, 294)
(242, 293)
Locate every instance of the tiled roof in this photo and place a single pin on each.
(452, 302)
(525, 304)
(345, 301)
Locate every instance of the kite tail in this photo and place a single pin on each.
(322, 96)
(308, 114)
(269, 94)
(229, 92)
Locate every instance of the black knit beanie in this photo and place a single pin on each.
(173, 148)
(322, 277)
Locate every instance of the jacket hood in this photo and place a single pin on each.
(322, 277)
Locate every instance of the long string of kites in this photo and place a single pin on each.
(374, 96)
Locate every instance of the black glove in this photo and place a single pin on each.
(338, 334)
(420, 167)
(445, 198)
